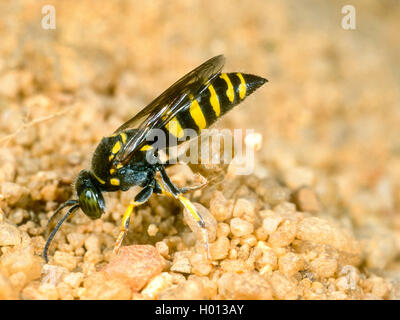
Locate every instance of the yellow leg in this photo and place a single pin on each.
(193, 212)
(125, 224)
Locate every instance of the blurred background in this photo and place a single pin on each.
(329, 114)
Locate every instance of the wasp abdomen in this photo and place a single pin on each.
(224, 92)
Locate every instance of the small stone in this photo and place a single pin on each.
(272, 192)
(53, 274)
(245, 286)
(271, 221)
(290, 264)
(284, 235)
(65, 259)
(157, 285)
(240, 227)
(244, 209)
(9, 235)
(210, 287)
(99, 287)
(12, 192)
(200, 265)
(321, 232)
(236, 265)
(75, 239)
(135, 265)
(181, 265)
(73, 279)
(186, 290)
(162, 248)
(7, 291)
(223, 229)
(284, 288)
(152, 230)
(324, 267)
(64, 291)
(49, 291)
(220, 248)
(377, 286)
(307, 200)
(21, 260)
(298, 177)
(220, 208)
(92, 243)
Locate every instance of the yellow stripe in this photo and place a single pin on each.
(112, 171)
(214, 100)
(230, 93)
(98, 179)
(123, 136)
(174, 127)
(197, 115)
(110, 157)
(116, 147)
(119, 165)
(242, 86)
(191, 208)
(146, 147)
(114, 181)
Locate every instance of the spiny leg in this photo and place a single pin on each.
(169, 189)
(140, 198)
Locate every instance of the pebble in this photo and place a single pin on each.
(284, 288)
(307, 200)
(9, 235)
(299, 177)
(7, 291)
(240, 227)
(290, 264)
(135, 265)
(186, 290)
(271, 221)
(284, 235)
(65, 259)
(219, 249)
(324, 267)
(97, 286)
(12, 192)
(220, 208)
(245, 286)
(157, 285)
(22, 260)
(319, 231)
(181, 265)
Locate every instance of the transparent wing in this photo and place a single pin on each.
(162, 109)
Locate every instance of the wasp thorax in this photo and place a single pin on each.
(91, 200)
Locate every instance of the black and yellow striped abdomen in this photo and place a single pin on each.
(225, 91)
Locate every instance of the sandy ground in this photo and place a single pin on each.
(319, 217)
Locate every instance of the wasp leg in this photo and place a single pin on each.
(168, 188)
(140, 198)
(187, 189)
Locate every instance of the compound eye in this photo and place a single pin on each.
(91, 202)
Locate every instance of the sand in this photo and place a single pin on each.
(319, 216)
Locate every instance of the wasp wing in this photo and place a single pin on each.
(162, 109)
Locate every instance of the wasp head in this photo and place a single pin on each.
(90, 199)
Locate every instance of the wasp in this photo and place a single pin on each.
(119, 162)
